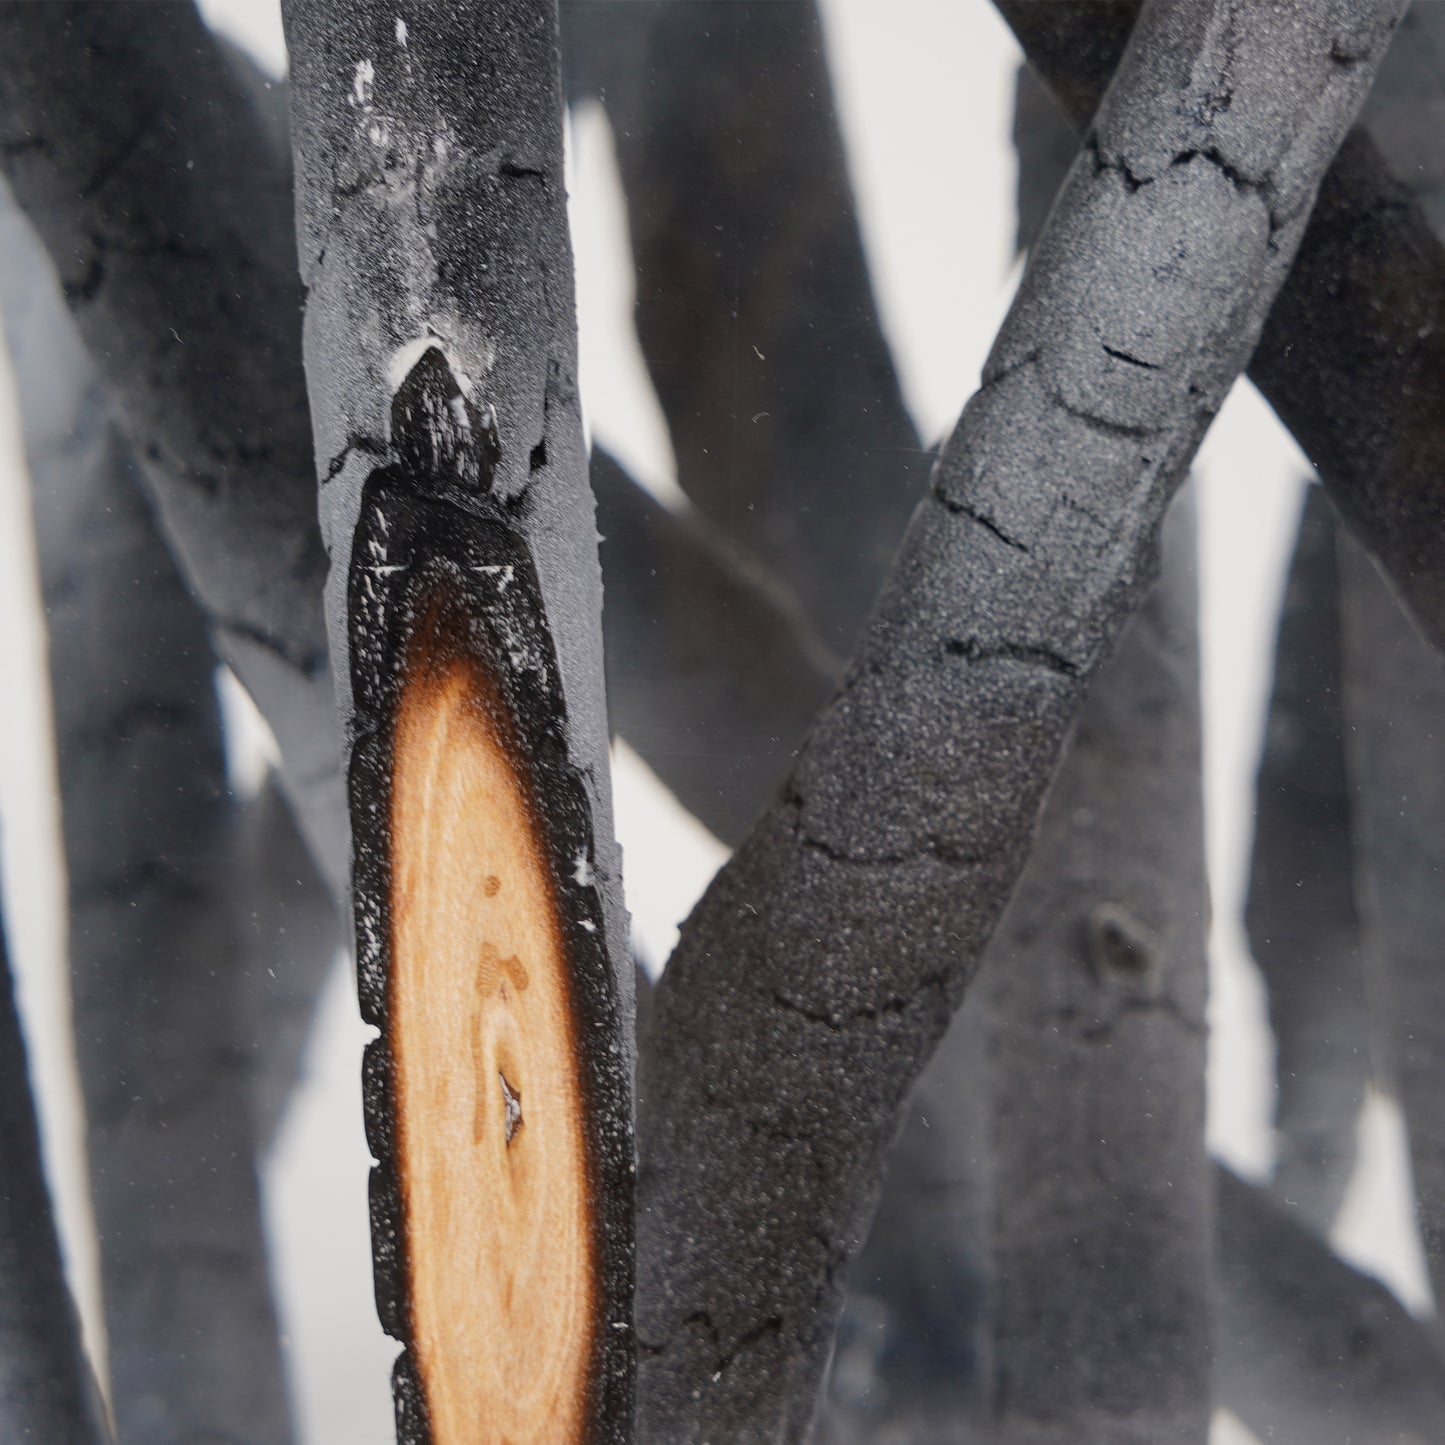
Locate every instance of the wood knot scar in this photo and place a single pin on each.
(1122, 953)
(495, 973)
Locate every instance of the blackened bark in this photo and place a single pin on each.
(1352, 357)
(820, 969)
(754, 306)
(1395, 717)
(155, 185)
(46, 1393)
(1308, 1350)
(713, 672)
(1304, 930)
(441, 352)
(158, 999)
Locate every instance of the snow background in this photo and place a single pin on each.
(925, 93)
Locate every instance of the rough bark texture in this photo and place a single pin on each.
(1094, 988)
(1353, 355)
(135, 150)
(1308, 1350)
(441, 352)
(1395, 715)
(46, 1393)
(753, 301)
(819, 971)
(158, 998)
(1304, 930)
(713, 672)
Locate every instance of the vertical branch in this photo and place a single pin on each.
(46, 1392)
(817, 974)
(288, 944)
(1395, 714)
(464, 606)
(1095, 989)
(161, 1018)
(1304, 930)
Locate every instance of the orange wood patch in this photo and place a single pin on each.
(490, 1143)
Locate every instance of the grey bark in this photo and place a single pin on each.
(158, 998)
(135, 150)
(1310, 1351)
(1094, 988)
(46, 1393)
(1405, 111)
(1304, 929)
(433, 240)
(818, 972)
(1352, 357)
(713, 672)
(913, 1361)
(289, 942)
(1395, 715)
(754, 306)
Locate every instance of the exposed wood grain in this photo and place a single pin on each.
(493, 1159)
(490, 1105)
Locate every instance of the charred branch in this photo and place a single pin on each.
(817, 974)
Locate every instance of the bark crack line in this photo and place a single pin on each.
(836, 1020)
(973, 649)
(356, 442)
(964, 509)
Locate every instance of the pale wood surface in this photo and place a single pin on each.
(489, 1107)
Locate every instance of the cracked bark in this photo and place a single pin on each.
(752, 285)
(1308, 1350)
(158, 996)
(185, 293)
(464, 595)
(1304, 930)
(1172, 251)
(1352, 357)
(1395, 711)
(46, 1390)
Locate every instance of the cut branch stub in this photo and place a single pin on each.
(480, 937)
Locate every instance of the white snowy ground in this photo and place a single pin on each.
(925, 90)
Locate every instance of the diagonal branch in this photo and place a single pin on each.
(713, 673)
(132, 144)
(1353, 354)
(820, 969)
(1307, 1348)
(46, 1391)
